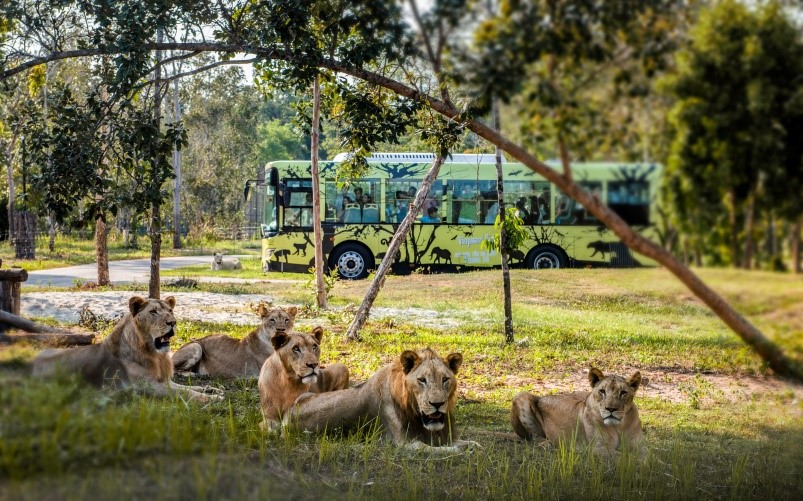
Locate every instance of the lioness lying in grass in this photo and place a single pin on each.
(223, 356)
(605, 416)
(134, 353)
(413, 397)
(294, 369)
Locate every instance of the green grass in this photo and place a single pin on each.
(252, 269)
(59, 439)
(71, 250)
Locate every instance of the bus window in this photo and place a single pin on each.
(298, 203)
(399, 196)
(462, 200)
(357, 202)
(630, 200)
(530, 199)
(583, 216)
(271, 224)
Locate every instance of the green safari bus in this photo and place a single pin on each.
(360, 218)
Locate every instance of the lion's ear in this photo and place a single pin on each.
(279, 339)
(292, 311)
(595, 376)
(317, 333)
(635, 381)
(454, 361)
(135, 304)
(171, 301)
(409, 359)
(263, 310)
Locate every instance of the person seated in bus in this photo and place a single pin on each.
(306, 213)
(564, 213)
(358, 195)
(341, 201)
(522, 212)
(493, 211)
(432, 216)
(543, 213)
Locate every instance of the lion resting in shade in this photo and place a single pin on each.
(605, 416)
(413, 398)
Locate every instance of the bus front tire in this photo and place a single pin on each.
(352, 261)
(546, 257)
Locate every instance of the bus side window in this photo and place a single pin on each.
(462, 202)
(630, 200)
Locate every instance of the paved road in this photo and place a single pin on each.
(120, 272)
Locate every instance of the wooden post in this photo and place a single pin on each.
(10, 289)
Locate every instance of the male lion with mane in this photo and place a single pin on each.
(294, 369)
(413, 397)
(134, 353)
(605, 416)
(223, 356)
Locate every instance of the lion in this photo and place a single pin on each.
(223, 356)
(218, 263)
(134, 353)
(413, 398)
(605, 416)
(294, 369)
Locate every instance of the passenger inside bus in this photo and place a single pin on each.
(432, 216)
(522, 211)
(341, 201)
(564, 214)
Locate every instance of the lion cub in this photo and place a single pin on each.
(218, 263)
(223, 356)
(293, 370)
(605, 416)
(134, 353)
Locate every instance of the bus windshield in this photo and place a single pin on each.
(271, 228)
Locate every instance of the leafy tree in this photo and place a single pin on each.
(734, 122)
(278, 141)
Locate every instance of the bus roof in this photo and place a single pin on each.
(462, 158)
(393, 168)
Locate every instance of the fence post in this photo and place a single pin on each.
(10, 289)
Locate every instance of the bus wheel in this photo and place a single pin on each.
(352, 261)
(545, 257)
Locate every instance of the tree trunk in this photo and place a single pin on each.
(11, 193)
(156, 206)
(320, 285)
(735, 261)
(51, 230)
(766, 349)
(177, 172)
(796, 228)
(24, 235)
(400, 236)
(747, 258)
(500, 191)
(102, 250)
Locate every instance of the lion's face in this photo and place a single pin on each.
(431, 380)
(218, 258)
(155, 320)
(613, 395)
(300, 354)
(277, 319)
